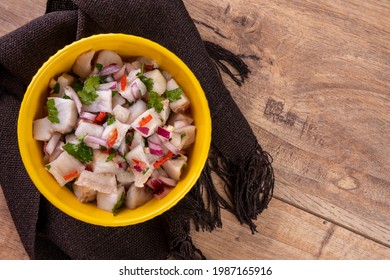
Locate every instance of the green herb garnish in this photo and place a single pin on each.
(110, 119)
(99, 66)
(82, 136)
(129, 138)
(77, 86)
(119, 204)
(154, 101)
(88, 93)
(52, 111)
(144, 171)
(174, 94)
(80, 151)
(147, 81)
(111, 155)
(56, 88)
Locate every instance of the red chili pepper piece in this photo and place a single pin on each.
(114, 136)
(161, 161)
(123, 82)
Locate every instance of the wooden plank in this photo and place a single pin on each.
(318, 100)
(13, 15)
(286, 232)
(11, 247)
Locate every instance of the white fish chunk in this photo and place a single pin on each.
(136, 196)
(159, 82)
(67, 115)
(103, 103)
(64, 165)
(101, 182)
(42, 129)
(107, 201)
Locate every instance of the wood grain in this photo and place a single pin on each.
(10, 244)
(317, 99)
(286, 232)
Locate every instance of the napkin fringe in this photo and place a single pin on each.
(186, 250)
(248, 184)
(221, 56)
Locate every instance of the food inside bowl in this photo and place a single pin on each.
(117, 130)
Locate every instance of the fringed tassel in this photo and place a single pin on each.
(248, 188)
(249, 185)
(186, 250)
(181, 246)
(207, 213)
(221, 55)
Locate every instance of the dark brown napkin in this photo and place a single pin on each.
(235, 155)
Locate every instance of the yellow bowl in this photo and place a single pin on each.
(32, 108)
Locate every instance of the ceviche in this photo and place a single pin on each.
(117, 131)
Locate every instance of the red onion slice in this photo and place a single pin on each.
(69, 91)
(155, 149)
(137, 168)
(166, 75)
(120, 73)
(154, 139)
(109, 79)
(154, 183)
(164, 132)
(156, 152)
(52, 143)
(169, 182)
(143, 129)
(162, 192)
(122, 165)
(95, 140)
(135, 90)
(110, 69)
(175, 150)
(110, 85)
(87, 116)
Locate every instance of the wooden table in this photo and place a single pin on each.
(318, 99)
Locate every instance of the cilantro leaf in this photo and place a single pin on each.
(154, 101)
(77, 86)
(110, 119)
(111, 156)
(53, 112)
(147, 81)
(119, 204)
(56, 88)
(174, 94)
(99, 66)
(88, 93)
(80, 151)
